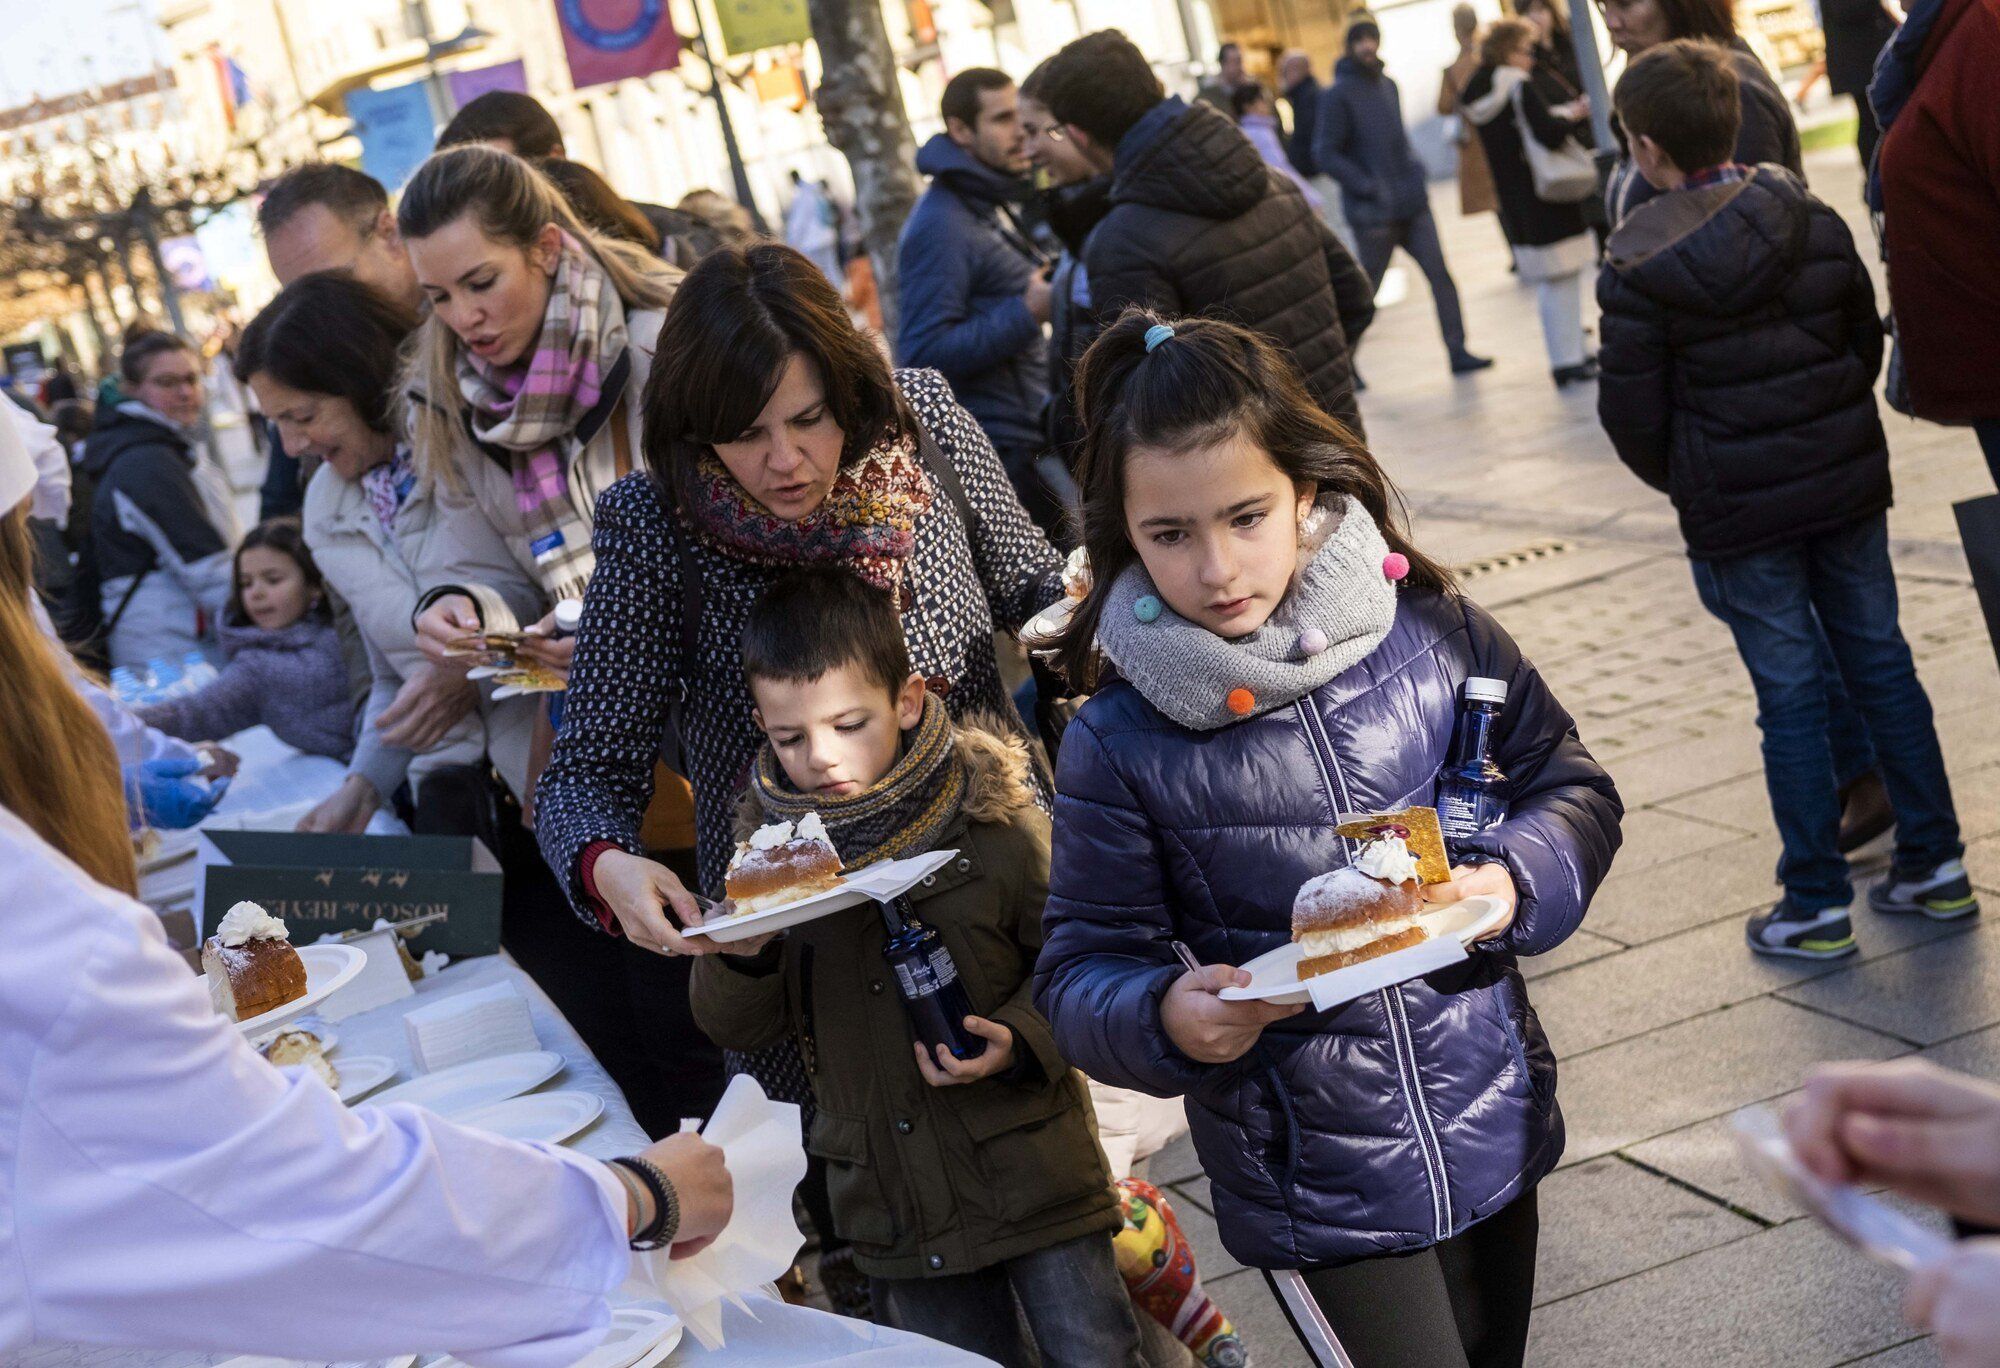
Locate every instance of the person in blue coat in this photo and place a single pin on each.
(1359, 140)
(975, 291)
(1274, 652)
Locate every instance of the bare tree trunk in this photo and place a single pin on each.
(861, 106)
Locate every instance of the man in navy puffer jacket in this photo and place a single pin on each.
(974, 298)
(1440, 1091)
(1359, 140)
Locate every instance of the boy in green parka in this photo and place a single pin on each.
(963, 1185)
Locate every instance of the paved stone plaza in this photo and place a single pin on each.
(1657, 1249)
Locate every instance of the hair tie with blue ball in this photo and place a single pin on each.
(1157, 334)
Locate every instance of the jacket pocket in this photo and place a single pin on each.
(1033, 1150)
(853, 1186)
(1510, 1001)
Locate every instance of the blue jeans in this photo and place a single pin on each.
(1780, 605)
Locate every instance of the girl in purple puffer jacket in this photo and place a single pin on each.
(1277, 654)
(284, 667)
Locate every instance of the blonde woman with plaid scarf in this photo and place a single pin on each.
(523, 388)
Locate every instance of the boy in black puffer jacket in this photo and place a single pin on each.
(1740, 350)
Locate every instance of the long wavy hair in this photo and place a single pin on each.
(512, 203)
(1210, 381)
(51, 731)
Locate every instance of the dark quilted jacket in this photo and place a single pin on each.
(1739, 358)
(1200, 225)
(1359, 139)
(1394, 1121)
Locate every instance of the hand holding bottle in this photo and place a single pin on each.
(948, 1070)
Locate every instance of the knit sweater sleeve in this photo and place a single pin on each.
(226, 705)
(1020, 571)
(627, 669)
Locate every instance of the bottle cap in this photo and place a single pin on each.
(569, 616)
(1485, 690)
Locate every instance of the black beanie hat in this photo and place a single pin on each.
(1362, 28)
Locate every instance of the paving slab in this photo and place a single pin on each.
(1729, 880)
(1194, 1208)
(1698, 760)
(1704, 1157)
(1581, 948)
(1926, 994)
(1654, 836)
(1917, 1353)
(1676, 977)
(1790, 1297)
(1246, 1299)
(1608, 1219)
(1743, 802)
(1177, 1163)
(1705, 1067)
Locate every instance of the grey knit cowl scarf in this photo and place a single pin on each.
(1339, 608)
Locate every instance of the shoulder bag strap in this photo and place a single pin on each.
(621, 441)
(946, 474)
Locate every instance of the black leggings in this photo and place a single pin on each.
(1460, 1304)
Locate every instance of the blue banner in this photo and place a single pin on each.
(395, 129)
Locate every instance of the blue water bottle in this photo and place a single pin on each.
(927, 979)
(1470, 788)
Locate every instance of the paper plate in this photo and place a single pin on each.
(1868, 1223)
(259, 1361)
(1274, 975)
(474, 1083)
(328, 968)
(362, 1074)
(877, 882)
(550, 1116)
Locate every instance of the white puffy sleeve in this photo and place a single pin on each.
(168, 1188)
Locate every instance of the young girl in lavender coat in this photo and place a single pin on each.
(284, 668)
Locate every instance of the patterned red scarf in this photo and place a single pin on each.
(867, 522)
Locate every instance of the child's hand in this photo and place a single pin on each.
(1204, 1027)
(950, 1070)
(1487, 880)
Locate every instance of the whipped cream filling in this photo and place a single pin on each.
(774, 834)
(246, 921)
(1342, 939)
(1387, 858)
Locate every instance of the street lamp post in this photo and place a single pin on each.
(737, 170)
(1583, 37)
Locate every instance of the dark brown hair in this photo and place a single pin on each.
(812, 621)
(1558, 16)
(1101, 83)
(520, 119)
(288, 538)
(1714, 20)
(141, 351)
(733, 323)
(353, 196)
(327, 333)
(1686, 96)
(963, 91)
(1207, 382)
(597, 204)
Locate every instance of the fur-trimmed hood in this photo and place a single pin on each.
(999, 779)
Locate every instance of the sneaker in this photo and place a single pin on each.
(1785, 930)
(1943, 894)
(1465, 363)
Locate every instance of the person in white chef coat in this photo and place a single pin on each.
(162, 1186)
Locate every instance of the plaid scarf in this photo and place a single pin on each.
(867, 521)
(1725, 173)
(530, 409)
(388, 485)
(904, 813)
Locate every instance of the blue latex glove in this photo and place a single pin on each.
(164, 794)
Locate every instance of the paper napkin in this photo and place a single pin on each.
(767, 1159)
(485, 1021)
